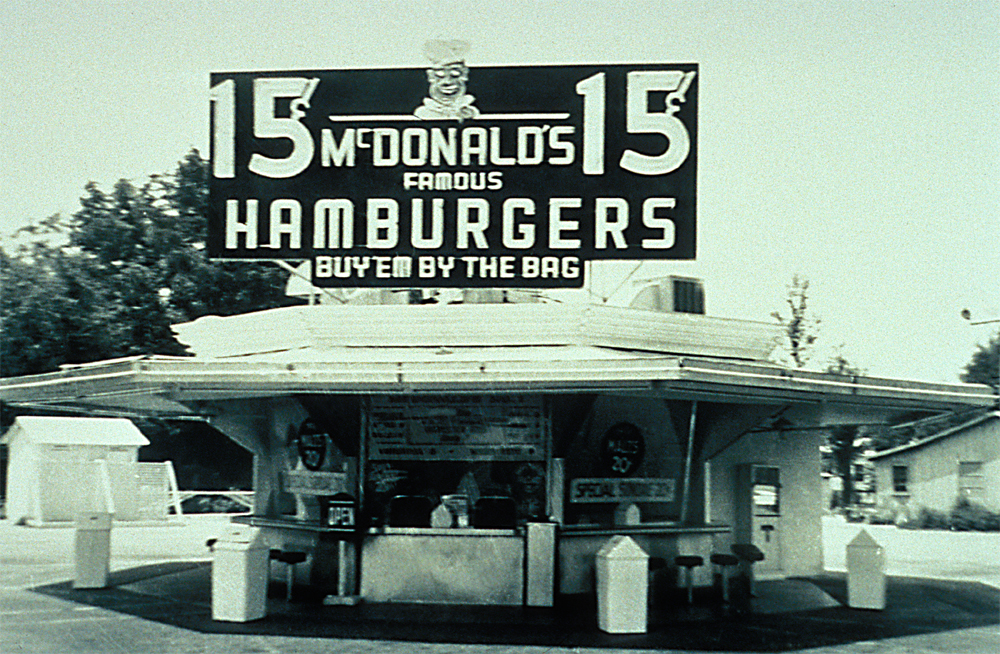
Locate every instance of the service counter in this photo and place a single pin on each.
(476, 565)
(314, 527)
(455, 566)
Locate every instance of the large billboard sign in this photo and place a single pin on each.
(450, 176)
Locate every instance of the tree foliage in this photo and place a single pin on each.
(801, 328)
(127, 265)
(984, 366)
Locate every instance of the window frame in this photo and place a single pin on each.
(971, 485)
(900, 487)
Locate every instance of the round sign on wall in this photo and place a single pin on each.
(622, 449)
(311, 445)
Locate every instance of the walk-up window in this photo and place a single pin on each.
(455, 461)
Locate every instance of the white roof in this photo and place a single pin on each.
(328, 328)
(944, 433)
(537, 348)
(75, 431)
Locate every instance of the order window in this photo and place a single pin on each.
(481, 456)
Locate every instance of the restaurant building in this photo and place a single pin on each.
(483, 453)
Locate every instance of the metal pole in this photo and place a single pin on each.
(686, 491)
(314, 290)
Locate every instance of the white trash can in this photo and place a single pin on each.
(92, 550)
(622, 586)
(239, 576)
(865, 573)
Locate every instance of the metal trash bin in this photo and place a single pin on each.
(622, 587)
(239, 576)
(865, 573)
(92, 550)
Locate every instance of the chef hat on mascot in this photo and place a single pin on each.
(442, 53)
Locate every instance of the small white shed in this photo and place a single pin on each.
(58, 467)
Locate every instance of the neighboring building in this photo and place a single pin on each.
(933, 471)
(63, 466)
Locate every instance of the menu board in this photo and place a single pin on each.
(456, 428)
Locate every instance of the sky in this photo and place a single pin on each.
(853, 143)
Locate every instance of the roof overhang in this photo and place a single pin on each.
(171, 385)
(533, 348)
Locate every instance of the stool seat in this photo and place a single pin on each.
(747, 552)
(721, 558)
(689, 561)
(288, 557)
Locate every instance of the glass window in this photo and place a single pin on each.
(766, 485)
(900, 479)
(482, 458)
(970, 480)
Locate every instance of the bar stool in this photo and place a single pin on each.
(290, 559)
(723, 562)
(689, 562)
(748, 555)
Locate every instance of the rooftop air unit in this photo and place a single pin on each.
(671, 295)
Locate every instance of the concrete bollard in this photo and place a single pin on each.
(622, 587)
(865, 573)
(92, 550)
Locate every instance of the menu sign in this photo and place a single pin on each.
(457, 428)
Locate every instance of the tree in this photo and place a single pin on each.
(984, 366)
(801, 328)
(53, 310)
(127, 265)
(843, 440)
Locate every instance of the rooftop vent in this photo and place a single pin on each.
(671, 295)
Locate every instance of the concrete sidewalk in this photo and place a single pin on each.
(933, 554)
(160, 602)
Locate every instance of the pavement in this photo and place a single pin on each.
(159, 601)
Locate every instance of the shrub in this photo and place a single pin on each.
(932, 519)
(908, 515)
(854, 514)
(883, 515)
(966, 516)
